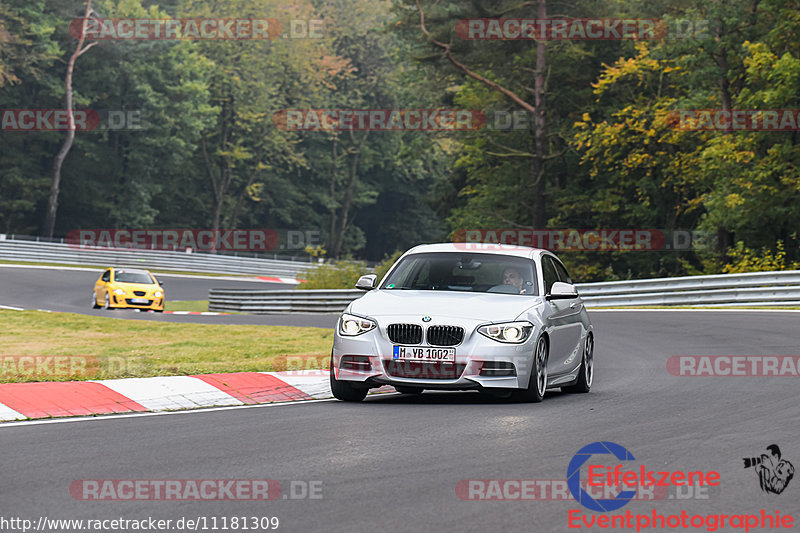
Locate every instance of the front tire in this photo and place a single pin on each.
(586, 374)
(107, 304)
(537, 385)
(343, 390)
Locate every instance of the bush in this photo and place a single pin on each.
(746, 260)
(344, 274)
(341, 275)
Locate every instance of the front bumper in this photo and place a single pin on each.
(479, 363)
(124, 301)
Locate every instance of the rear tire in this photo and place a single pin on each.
(537, 385)
(586, 373)
(407, 390)
(343, 390)
(94, 301)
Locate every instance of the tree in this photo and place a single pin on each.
(55, 187)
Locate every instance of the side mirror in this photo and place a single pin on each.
(160, 281)
(367, 283)
(562, 291)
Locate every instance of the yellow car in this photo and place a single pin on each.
(120, 288)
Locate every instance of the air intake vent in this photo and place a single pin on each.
(405, 333)
(424, 370)
(445, 335)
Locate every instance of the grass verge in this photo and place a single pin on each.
(40, 346)
(186, 305)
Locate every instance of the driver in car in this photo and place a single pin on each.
(511, 276)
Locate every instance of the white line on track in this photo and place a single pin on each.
(164, 274)
(4, 425)
(12, 308)
(160, 413)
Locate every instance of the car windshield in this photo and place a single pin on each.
(132, 276)
(466, 272)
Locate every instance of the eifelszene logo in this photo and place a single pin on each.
(774, 473)
(606, 476)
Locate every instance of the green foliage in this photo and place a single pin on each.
(344, 274)
(763, 260)
(211, 152)
(341, 275)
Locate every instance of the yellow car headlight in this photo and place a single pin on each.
(158, 294)
(119, 292)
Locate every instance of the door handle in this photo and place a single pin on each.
(573, 305)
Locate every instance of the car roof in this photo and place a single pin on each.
(134, 270)
(475, 247)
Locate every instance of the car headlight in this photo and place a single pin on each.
(510, 332)
(351, 326)
(158, 294)
(119, 292)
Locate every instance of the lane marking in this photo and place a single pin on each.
(100, 418)
(7, 413)
(170, 392)
(258, 387)
(64, 398)
(247, 279)
(158, 413)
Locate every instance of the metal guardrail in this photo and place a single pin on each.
(58, 253)
(263, 302)
(730, 290)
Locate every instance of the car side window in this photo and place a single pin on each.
(562, 273)
(106, 275)
(549, 273)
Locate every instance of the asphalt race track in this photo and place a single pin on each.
(392, 463)
(69, 291)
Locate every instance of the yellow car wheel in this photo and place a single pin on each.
(94, 301)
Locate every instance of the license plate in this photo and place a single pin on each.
(422, 353)
(139, 301)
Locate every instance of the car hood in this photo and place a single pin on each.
(136, 286)
(477, 306)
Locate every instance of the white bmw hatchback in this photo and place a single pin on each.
(500, 319)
